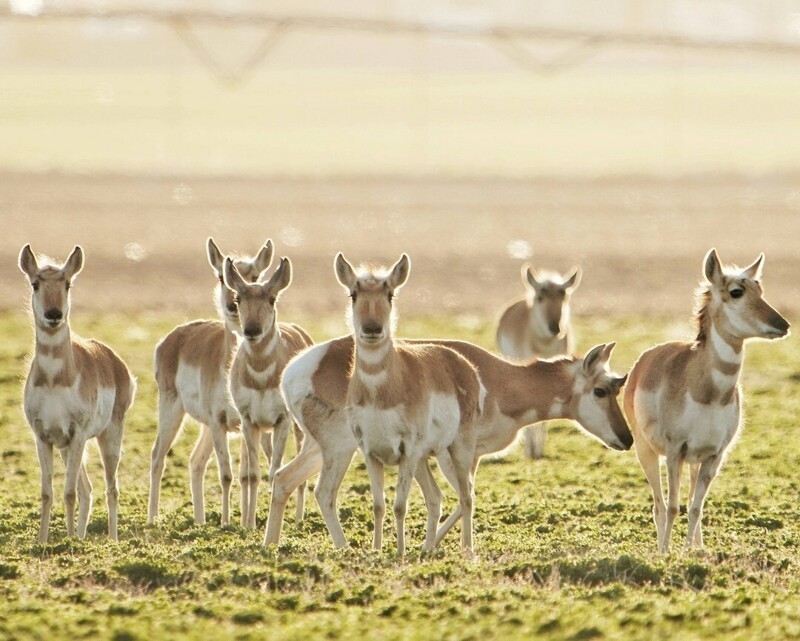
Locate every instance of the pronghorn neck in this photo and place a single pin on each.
(373, 363)
(724, 357)
(553, 379)
(53, 352)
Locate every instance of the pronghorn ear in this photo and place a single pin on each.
(27, 262)
(529, 276)
(713, 268)
(344, 272)
(594, 359)
(281, 279)
(399, 274)
(215, 257)
(609, 347)
(574, 279)
(753, 272)
(232, 278)
(74, 263)
(264, 258)
(620, 381)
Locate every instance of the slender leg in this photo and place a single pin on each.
(375, 469)
(197, 471)
(334, 467)
(535, 436)
(706, 474)
(291, 476)
(84, 501)
(170, 417)
(244, 485)
(674, 469)
(219, 436)
(45, 452)
(648, 458)
(280, 434)
(251, 437)
(300, 503)
(405, 475)
(433, 502)
(110, 444)
(73, 455)
(463, 464)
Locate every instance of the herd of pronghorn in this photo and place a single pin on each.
(400, 402)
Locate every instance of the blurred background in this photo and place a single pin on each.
(627, 136)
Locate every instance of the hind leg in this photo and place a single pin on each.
(170, 417)
(110, 443)
(251, 474)
(463, 465)
(694, 469)
(674, 469)
(197, 471)
(433, 502)
(73, 458)
(706, 473)
(299, 508)
(535, 437)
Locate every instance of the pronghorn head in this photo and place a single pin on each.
(594, 404)
(549, 294)
(249, 268)
(256, 301)
(51, 284)
(733, 300)
(372, 293)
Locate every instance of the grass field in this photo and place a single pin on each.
(565, 547)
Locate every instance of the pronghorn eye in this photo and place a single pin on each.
(736, 293)
(391, 297)
(353, 296)
(272, 300)
(600, 392)
(35, 285)
(232, 308)
(68, 284)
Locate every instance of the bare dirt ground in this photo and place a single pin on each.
(640, 241)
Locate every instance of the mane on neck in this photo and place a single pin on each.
(702, 313)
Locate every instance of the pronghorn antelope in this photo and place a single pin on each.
(315, 386)
(191, 370)
(76, 390)
(407, 402)
(683, 399)
(255, 376)
(537, 325)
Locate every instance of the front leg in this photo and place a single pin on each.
(375, 469)
(674, 469)
(73, 457)
(45, 452)
(405, 474)
(251, 473)
(219, 436)
(280, 434)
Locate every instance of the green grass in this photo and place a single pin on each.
(566, 546)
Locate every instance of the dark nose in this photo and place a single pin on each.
(627, 440)
(251, 331)
(555, 328)
(372, 329)
(53, 314)
(780, 323)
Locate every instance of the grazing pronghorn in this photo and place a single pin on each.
(76, 390)
(191, 370)
(406, 402)
(255, 377)
(537, 325)
(315, 386)
(683, 399)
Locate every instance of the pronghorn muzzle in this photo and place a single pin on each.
(252, 331)
(372, 331)
(780, 325)
(53, 316)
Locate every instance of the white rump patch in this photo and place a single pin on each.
(296, 381)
